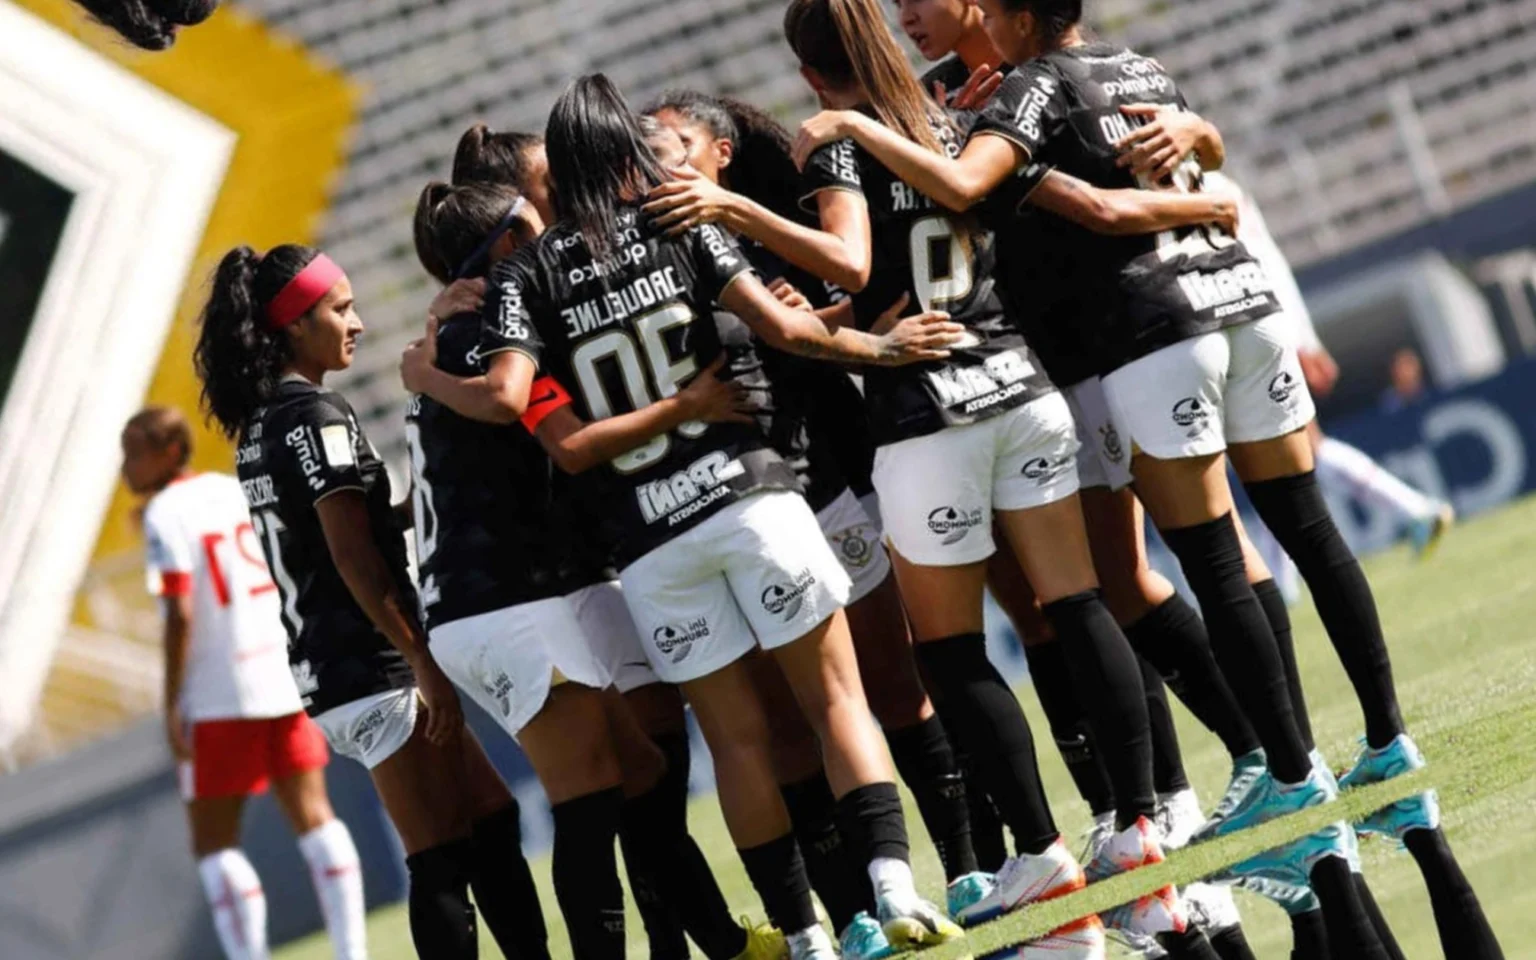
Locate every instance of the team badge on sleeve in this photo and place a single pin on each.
(336, 443)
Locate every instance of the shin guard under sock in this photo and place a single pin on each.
(1244, 645)
(975, 701)
(442, 919)
(503, 885)
(1168, 774)
(586, 873)
(1173, 639)
(832, 865)
(1052, 680)
(1295, 512)
(926, 762)
(1107, 679)
(1279, 617)
(778, 874)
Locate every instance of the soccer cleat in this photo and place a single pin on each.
(1178, 817)
(764, 942)
(811, 943)
(1425, 533)
(1080, 940)
(967, 891)
(1290, 897)
(1246, 769)
(1418, 812)
(1132, 848)
(1320, 764)
(1268, 799)
(1378, 765)
(1292, 862)
(910, 922)
(1210, 907)
(863, 939)
(1103, 828)
(1028, 878)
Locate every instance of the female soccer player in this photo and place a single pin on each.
(711, 536)
(232, 713)
(476, 550)
(275, 324)
(815, 414)
(1167, 294)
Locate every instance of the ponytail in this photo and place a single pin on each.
(487, 156)
(455, 227)
(847, 42)
(238, 357)
(149, 24)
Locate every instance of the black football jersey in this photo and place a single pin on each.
(812, 413)
(297, 450)
(1152, 290)
(619, 333)
(951, 73)
(481, 497)
(917, 252)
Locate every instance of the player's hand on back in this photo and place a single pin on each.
(1155, 149)
(979, 88)
(686, 201)
(710, 399)
(790, 295)
(461, 296)
(826, 127)
(419, 357)
(926, 336)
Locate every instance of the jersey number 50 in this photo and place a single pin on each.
(648, 371)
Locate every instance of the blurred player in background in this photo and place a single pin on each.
(232, 712)
(149, 24)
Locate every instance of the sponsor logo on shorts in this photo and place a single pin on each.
(1192, 414)
(1109, 439)
(500, 687)
(953, 523)
(1043, 470)
(1282, 387)
(367, 730)
(853, 546)
(785, 599)
(676, 640)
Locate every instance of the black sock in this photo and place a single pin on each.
(1309, 936)
(1107, 679)
(778, 875)
(926, 762)
(586, 873)
(1168, 773)
(1294, 510)
(986, 828)
(1350, 931)
(1244, 645)
(1189, 945)
(1378, 919)
(1231, 944)
(871, 819)
(976, 702)
(833, 869)
(1052, 679)
(442, 919)
(1464, 929)
(1173, 639)
(673, 885)
(1279, 616)
(503, 885)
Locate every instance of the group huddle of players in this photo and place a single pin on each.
(711, 413)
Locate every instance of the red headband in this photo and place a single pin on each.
(303, 292)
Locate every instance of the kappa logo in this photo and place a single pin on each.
(853, 546)
(1109, 439)
(785, 599)
(953, 523)
(500, 688)
(1192, 414)
(1282, 387)
(676, 640)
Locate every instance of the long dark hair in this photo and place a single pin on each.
(239, 358)
(1053, 17)
(848, 41)
(490, 156)
(597, 156)
(762, 167)
(453, 223)
(149, 24)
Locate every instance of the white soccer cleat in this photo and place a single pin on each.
(1178, 817)
(1080, 940)
(811, 944)
(1211, 907)
(1135, 847)
(1028, 879)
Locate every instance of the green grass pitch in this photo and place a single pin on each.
(1461, 629)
